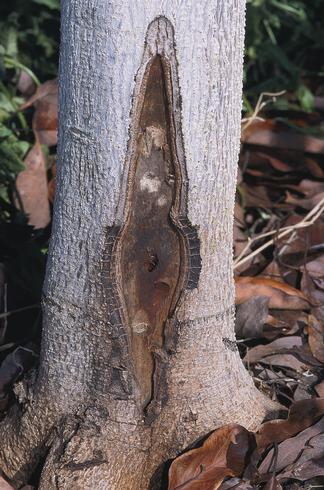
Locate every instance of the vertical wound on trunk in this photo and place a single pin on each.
(150, 251)
(156, 241)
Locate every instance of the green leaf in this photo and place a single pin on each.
(4, 131)
(52, 4)
(12, 152)
(11, 42)
(6, 104)
(305, 97)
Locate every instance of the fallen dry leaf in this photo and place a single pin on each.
(45, 119)
(281, 296)
(5, 485)
(276, 163)
(315, 269)
(310, 461)
(301, 415)
(314, 167)
(26, 84)
(259, 352)
(310, 187)
(307, 203)
(305, 247)
(258, 197)
(286, 361)
(305, 470)
(287, 352)
(273, 271)
(304, 239)
(290, 449)
(319, 388)
(267, 374)
(272, 484)
(251, 317)
(223, 454)
(315, 331)
(270, 133)
(312, 283)
(302, 392)
(308, 286)
(31, 185)
(283, 322)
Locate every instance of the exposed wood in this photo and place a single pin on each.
(153, 250)
(150, 258)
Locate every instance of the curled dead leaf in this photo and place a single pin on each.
(287, 352)
(271, 133)
(31, 185)
(319, 388)
(290, 449)
(310, 187)
(309, 463)
(314, 167)
(307, 203)
(282, 322)
(26, 84)
(45, 119)
(251, 316)
(276, 163)
(261, 352)
(281, 296)
(224, 453)
(302, 414)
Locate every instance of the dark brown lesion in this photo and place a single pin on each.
(154, 247)
(150, 253)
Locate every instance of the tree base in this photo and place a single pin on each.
(90, 449)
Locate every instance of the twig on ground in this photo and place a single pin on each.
(308, 220)
(247, 121)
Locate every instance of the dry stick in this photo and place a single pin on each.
(246, 122)
(317, 210)
(308, 220)
(259, 106)
(264, 235)
(314, 213)
(18, 310)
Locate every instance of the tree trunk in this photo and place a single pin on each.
(138, 356)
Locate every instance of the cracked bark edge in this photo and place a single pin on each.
(122, 383)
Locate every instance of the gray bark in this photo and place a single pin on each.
(84, 406)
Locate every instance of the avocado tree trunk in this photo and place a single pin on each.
(138, 356)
